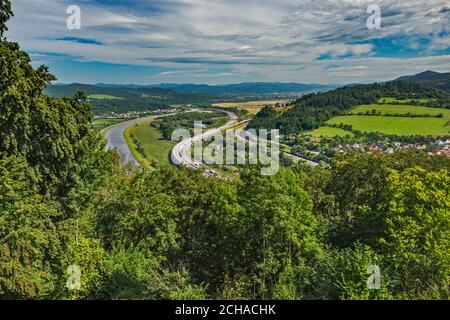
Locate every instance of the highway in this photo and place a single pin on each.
(181, 154)
(243, 135)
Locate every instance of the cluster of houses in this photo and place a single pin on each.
(134, 114)
(438, 147)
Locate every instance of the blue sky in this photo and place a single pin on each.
(230, 41)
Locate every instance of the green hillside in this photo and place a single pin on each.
(123, 99)
(311, 111)
(396, 125)
(431, 78)
(103, 97)
(400, 109)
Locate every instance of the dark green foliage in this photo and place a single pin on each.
(51, 134)
(380, 200)
(5, 14)
(435, 79)
(29, 240)
(175, 234)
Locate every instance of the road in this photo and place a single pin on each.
(243, 135)
(115, 138)
(181, 154)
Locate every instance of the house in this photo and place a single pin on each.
(375, 148)
(421, 146)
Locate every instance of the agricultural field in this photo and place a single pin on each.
(396, 125)
(98, 125)
(400, 109)
(251, 106)
(153, 146)
(405, 101)
(103, 97)
(329, 132)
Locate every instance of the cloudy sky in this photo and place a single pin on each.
(230, 41)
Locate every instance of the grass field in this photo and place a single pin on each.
(328, 132)
(98, 125)
(103, 97)
(155, 147)
(251, 106)
(405, 101)
(396, 125)
(401, 109)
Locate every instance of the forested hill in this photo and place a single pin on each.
(63, 90)
(122, 99)
(431, 78)
(247, 88)
(311, 110)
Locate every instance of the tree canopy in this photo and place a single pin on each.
(305, 233)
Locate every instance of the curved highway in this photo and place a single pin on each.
(244, 135)
(181, 154)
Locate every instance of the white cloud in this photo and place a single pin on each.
(267, 40)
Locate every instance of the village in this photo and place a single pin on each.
(134, 114)
(326, 149)
(438, 147)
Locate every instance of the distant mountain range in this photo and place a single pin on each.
(119, 98)
(246, 88)
(125, 92)
(435, 79)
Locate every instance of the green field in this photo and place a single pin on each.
(400, 109)
(155, 147)
(103, 97)
(405, 101)
(329, 132)
(396, 125)
(98, 125)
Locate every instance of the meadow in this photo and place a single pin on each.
(103, 97)
(329, 132)
(400, 109)
(407, 126)
(152, 142)
(396, 125)
(405, 101)
(100, 124)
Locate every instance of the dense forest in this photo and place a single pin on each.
(175, 234)
(435, 79)
(312, 110)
